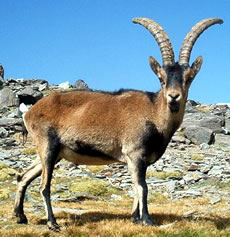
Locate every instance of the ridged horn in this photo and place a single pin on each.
(160, 36)
(192, 36)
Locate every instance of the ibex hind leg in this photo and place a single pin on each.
(24, 180)
(49, 152)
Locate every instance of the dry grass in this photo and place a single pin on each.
(183, 218)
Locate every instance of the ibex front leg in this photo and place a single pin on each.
(140, 212)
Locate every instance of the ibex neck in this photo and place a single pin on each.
(168, 121)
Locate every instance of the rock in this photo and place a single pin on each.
(8, 97)
(10, 121)
(192, 177)
(43, 87)
(1, 71)
(81, 85)
(178, 139)
(29, 96)
(64, 85)
(215, 171)
(214, 123)
(68, 210)
(204, 146)
(1, 83)
(199, 135)
(222, 140)
(215, 200)
(3, 132)
(190, 106)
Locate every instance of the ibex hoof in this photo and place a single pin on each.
(53, 226)
(21, 218)
(146, 222)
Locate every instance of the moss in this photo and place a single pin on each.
(6, 172)
(197, 157)
(95, 169)
(4, 193)
(29, 151)
(94, 187)
(163, 175)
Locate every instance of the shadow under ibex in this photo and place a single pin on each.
(80, 220)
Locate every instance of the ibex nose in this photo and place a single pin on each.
(174, 97)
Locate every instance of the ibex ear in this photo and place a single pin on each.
(155, 66)
(157, 69)
(197, 65)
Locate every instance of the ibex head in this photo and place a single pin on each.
(176, 78)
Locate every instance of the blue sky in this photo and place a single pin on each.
(95, 40)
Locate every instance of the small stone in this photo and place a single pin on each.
(215, 200)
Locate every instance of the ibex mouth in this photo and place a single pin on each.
(174, 106)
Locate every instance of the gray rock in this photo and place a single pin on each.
(8, 97)
(214, 123)
(3, 132)
(178, 139)
(43, 87)
(29, 96)
(81, 85)
(215, 200)
(5, 155)
(199, 135)
(222, 140)
(10, 121)
(215, 171)
(1, 71)
(1, 83)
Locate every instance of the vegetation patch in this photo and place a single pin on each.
(198, 157)
(93, 187)
(6, 172)
(95, 169)
(4, 193)
(29, 151)
(163, 175)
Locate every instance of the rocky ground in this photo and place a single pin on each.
(196, 163)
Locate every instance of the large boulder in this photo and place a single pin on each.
(199, 135)
(215, 123)
(8, 97)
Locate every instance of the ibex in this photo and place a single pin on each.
(98, 128)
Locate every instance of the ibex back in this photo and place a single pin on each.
(98, 128)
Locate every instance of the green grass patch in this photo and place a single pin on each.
(29, 151)
(93, 187)
(95, 169)
(198, 157)
(163, 175)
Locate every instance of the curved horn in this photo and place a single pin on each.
(161, 37)
(192, 36)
